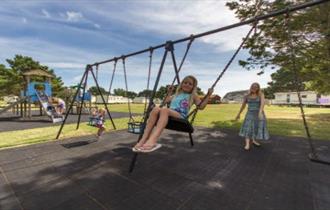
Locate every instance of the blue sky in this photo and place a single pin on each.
(66, 35)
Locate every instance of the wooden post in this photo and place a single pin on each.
(30, 111)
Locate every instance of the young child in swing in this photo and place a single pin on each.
(181, 101)
(100, 122)
(254, 126)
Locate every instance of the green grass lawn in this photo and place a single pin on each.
(37, 135)
(285, 121)
(3, 103)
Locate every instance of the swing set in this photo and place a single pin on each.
(185, 125)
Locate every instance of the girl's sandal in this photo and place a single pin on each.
(150, 148)
(136, 148)
(257, 144)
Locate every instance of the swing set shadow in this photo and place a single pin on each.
(185, 125)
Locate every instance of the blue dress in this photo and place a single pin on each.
(180, 103)
(253, 127)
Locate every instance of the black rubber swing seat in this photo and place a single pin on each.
(179, 124)
(182, 125)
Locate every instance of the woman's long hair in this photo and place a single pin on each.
(194, 89)
(258, 92)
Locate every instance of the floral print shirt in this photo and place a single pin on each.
(180, 103)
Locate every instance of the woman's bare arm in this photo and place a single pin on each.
(242, 108)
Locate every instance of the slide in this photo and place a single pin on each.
(48, 108)
(12, 105)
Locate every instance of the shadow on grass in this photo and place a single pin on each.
(318, 125)
(324, 117)
(227, 124)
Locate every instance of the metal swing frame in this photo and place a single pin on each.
(313, 155)
(83, 84)
(245, 22)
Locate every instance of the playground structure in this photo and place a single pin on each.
(82, 98)
(186, 126)
(34, 93)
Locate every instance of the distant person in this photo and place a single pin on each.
(100, 122)
(60, 107)
(181, 101)
(50, 106)
(94, 115)
(94, 112)
(43, 96)
(254, 125)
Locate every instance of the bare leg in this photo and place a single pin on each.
(150, 125)
(162, 122)
(247, 144)
(100, 132)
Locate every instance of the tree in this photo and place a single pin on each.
(130, 94)
(9, 81)
(124, 93)
(145, 93)
(270, 46)
(161, 93)
(12, 80)
(269, 93)
(66, 94)
(119, 92)
(94, 91)
(199, 91)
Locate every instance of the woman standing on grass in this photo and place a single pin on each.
(254, 126)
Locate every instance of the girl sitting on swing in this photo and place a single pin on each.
(181, 101)
(97, 120)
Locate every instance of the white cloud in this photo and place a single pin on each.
(58, 56)
(45, 13)
(97, 25)
(62, 65)
(72, 16)
(151, 20)
(24, 20)
(200, 16)
(234, 80)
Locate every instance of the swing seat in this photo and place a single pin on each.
(179, 124)
(135, 127)
(93, 121)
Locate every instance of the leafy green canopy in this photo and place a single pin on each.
(12, 81)
(269, 46)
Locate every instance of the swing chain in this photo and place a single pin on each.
(131, 119)
(298, 83)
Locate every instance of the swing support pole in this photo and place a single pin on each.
(83, 82)
(131, 167)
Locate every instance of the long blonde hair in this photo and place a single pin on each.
(193, 91)
(259, 92)
(101, 112)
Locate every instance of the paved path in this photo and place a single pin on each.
(216, 174)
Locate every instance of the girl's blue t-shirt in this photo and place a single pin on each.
(180, 103)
